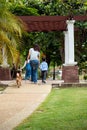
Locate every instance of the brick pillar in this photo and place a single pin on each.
(70, 74)
(5, 74)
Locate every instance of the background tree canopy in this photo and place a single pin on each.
(53, 40)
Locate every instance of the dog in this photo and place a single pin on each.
(18, 78)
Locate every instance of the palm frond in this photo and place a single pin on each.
(10, 32)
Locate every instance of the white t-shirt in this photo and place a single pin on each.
(34, 54)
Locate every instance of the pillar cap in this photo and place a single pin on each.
(70, 21)
(70, 64)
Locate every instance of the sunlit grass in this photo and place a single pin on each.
(64, 109)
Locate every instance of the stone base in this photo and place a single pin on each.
(66, 85)
(5, 74)
(70, 74)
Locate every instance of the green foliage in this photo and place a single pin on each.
(22, 10)
(48, 40)
(10, 33)
(53, 7)
(64, 109)
(85, 77)
(45, 41)
(81, 44)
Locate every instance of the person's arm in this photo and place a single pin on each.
(30, 50)
(23, 65)
(39, 57)
(28, 57)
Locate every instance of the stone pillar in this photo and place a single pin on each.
(66, 47)
(69, 44)
(70, 74)
(70, 68)
(5, 74)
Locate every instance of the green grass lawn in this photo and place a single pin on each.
(64, 109)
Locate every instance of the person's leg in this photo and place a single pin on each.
(25, 75)
(35, 75)
(45, 75)
(34, 65)
(28, 74)
(31, 73)
(42, 75)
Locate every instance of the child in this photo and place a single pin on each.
(18, 78)
(44, 69)
(28, 69)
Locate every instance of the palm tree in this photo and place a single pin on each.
(10, 34)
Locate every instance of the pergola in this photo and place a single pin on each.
(49, 23)
(59, 23)
(55, 23)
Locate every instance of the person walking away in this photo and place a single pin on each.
(34, 56)
(27, 69)
(44, 69)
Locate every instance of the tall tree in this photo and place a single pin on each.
(10, 33)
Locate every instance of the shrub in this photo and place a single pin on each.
(85, 77)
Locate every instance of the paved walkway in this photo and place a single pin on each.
(18, 103)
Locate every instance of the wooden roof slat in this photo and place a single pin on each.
(80, 18)
(43, 18)
(49, 23)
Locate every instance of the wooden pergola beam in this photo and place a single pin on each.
(49, 23)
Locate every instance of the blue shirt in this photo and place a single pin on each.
(44, 66)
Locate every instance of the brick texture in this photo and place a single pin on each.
(70, 74)
(5, 74)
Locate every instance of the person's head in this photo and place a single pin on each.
(36, 47)
(43, 59)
